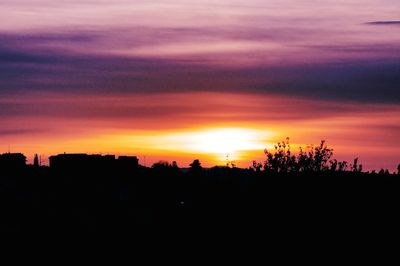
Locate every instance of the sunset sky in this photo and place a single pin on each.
(183, 79)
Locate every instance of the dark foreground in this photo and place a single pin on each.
(42, 200)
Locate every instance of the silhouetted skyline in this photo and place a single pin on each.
(308, 192)
(281, 159)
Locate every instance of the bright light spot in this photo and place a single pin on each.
(215, 143)
(224, 141)
(221, 142)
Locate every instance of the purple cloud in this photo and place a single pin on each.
(383, 23)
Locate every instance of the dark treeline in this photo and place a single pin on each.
(310, 160)
(308, 190)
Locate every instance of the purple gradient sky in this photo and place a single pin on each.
(77, 74)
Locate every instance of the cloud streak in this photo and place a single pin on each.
(41, 68)
(383, 23)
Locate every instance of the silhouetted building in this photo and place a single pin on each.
(80, 162)
(12, 161)
(128, 162)
(68, 163)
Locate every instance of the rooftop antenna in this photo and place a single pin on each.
(9, 148)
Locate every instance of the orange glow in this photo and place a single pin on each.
(211, 145)
(217, 142)
(205, 126)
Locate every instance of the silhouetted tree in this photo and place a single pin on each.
(398, 169)
(280, 160)
(334, 165)
(174, 165)
(311, 159)
(161, 165)
(257, 167)
(387, 172)
(322, 154)
(342, 166)
(36, 161)
(195, 167)
(165, 165)
(230, 163)
(356, 167)
(304, 161)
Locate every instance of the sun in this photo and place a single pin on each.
(212, 144)
(226, 141)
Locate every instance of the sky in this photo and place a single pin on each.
(184, 80)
